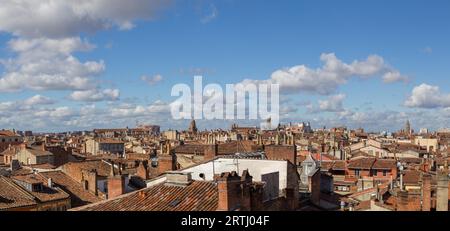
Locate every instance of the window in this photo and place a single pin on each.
(384, 172)
(374, 172)
(357, 172)
(3, 140)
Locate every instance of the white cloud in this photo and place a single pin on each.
(39, 100)
(59, 112)
(333, 103)
(152, 80)
(48, 64)
(427, 96)
(394, 76)
(328, 78)
(133, 111)
(46, 36)
(56, 18)
(95, 95)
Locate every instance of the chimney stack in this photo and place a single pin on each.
(442, 191)
(116, 186)
(50, 183)
(211, 151)
(229, 186)
(176, 178)
(142, 170)
(426, 192)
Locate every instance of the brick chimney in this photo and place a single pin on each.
(246, 183)
(257, 196)
(426, 192)
(167, 163)
(229, 186)
(282, 152)
(142, 170)
(116, 186)
(408, 201)
(211, 151)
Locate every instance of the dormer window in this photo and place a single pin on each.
(37, 187)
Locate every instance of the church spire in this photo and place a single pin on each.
(193, 127)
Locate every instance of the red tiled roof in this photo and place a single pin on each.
(13, 196)
(47, 193)
(222, 149)
(37, 151)
(102, 168)
(361, 163)
(339, 165)
(7, 133)
(198, 196)
(411, 177)
(78, 195)
(384, 164)
(325, 157)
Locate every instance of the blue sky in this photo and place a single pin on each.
(226, 41)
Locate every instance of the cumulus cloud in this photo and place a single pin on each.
(36, 18)
(95, 95)
(394, 76)
(427, 96)
(329, 77)
(152, 80)
(46, 36)
(48, 64)
(333, 103)
(39, 100)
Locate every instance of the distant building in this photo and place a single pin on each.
(8, 138)
(423, 131)
(101, 146)
(33, 155)
(193, 127)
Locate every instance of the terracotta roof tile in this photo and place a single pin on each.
(78, 195)
(13, 196)
(198, 196)
(411, 177)
(361, 163)
(47, 193)
(384, 164)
